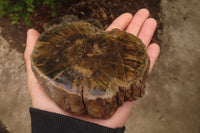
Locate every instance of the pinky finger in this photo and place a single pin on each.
(153, 51)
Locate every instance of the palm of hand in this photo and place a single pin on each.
(139, 25)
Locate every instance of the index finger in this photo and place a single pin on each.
(121, 22)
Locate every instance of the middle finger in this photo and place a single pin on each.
(137, 21)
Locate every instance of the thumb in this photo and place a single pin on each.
(32, 36)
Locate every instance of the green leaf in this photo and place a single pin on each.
(29, 9)
(2, 14)
(53, 13)
(21, 9)
(15, 22)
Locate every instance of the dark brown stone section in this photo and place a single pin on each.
(87, 70)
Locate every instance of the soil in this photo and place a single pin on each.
(103, 10)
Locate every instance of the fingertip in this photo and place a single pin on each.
(121, 22)
(127, 14)
(155, 44)
(138, 19)
(144, 11)
(147, 31)
(29, 31)
(153, 51)
(155, 47)
(152, 21)
(32, 36)
(32, 31)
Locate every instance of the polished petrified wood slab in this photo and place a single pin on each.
(87, 70)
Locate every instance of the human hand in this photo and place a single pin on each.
(139, 25)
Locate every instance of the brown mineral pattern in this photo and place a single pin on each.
(87, 70)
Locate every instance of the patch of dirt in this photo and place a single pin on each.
(14, 34)
(103, 10)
